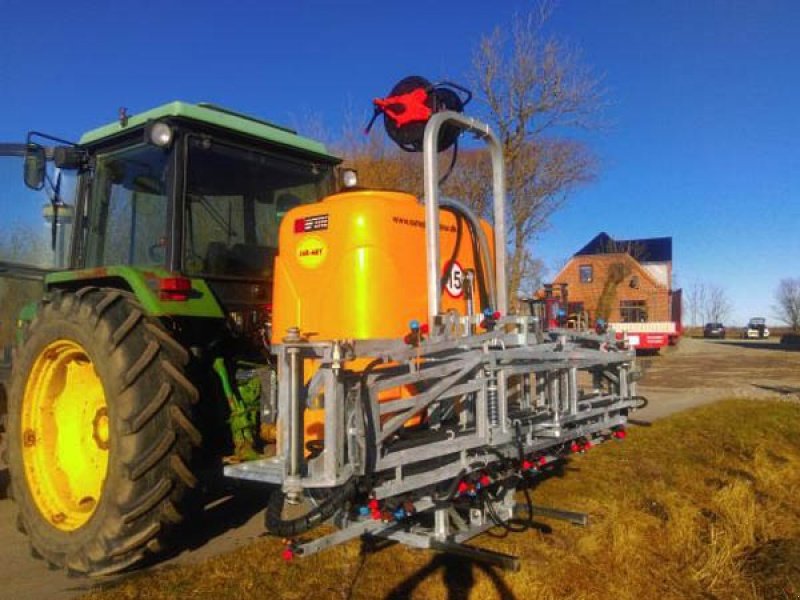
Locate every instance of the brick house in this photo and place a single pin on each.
(622, 280)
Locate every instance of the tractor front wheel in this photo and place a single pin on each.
(100, 432)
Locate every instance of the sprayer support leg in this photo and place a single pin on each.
(497, 559)
(576, 518)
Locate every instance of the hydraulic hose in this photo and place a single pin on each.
(289, 528)
(477, 231)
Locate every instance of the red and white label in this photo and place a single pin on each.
(454, 283)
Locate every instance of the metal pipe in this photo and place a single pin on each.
(441, 524)
(573, 391)
(469, 291)
(296, 433)
(431, 173)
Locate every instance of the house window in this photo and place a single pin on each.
(633, 311)
(586, 274)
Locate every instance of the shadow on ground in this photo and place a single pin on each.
(459, 578)
(765, 345)
(226, 506)
(784, 390)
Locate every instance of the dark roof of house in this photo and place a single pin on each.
(644, 250)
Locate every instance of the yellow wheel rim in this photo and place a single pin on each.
(65, 435)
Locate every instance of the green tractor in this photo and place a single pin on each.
(156, 270)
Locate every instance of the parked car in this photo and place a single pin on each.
(714, 330)
(756, 329)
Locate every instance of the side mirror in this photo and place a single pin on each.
(34, 169)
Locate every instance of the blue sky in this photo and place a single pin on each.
(703, 99)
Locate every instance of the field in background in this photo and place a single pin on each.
(703, 504)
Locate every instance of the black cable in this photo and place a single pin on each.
(453, 159)
(289, 528)
(476, 252)
(364, 552)
(494, 518)
(451, 491)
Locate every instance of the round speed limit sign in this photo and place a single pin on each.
(454, 282)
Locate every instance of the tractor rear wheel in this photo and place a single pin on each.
(100, 432)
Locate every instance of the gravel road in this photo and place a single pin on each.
(696, 372)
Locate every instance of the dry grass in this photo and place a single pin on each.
(705, 504)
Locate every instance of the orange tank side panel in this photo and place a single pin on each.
(353, 266)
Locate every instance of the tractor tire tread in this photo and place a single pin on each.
(182, 471)
(137, 541)
(150, 483)
(148, 502)
(166, 339)
(105, 303)
(126, 327)
(181, 420)
(141, 363)
(152, 408)
(182, 380)
(156, 452)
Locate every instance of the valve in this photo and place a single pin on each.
(289, 550)
(375, 509)
(417, 334)
(409, 508)
(386, 516)
(466, 488)
(490, 319)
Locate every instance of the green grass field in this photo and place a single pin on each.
(705, 504)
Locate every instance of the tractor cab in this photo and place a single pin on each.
(182, 191)
(195, 189)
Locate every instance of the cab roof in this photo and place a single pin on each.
(212, 115)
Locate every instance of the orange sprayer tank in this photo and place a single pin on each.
(353, 266)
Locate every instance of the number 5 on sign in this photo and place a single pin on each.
(454, 279)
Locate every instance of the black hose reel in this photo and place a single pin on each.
(409, 106)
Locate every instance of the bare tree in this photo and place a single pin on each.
(717, 307)
(696, 302)
(534, 271)
(381, 165)
(787, 298)
(535, 89)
